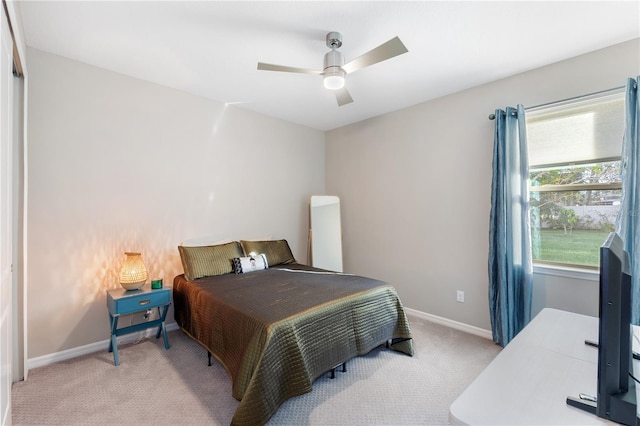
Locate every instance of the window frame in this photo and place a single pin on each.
(547, 267)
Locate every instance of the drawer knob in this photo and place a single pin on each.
(144, 302)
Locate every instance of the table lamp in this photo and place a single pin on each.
(133, 273)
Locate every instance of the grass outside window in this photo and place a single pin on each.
(580, 247)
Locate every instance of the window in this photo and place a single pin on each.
(574, 177)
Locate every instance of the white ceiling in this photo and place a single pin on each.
(211, 48)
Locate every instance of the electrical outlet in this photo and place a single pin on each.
(460, 296)
(147, 315)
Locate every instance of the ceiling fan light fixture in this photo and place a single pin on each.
(334, 78)
(333, 72)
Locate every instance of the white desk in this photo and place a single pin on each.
(529, 381)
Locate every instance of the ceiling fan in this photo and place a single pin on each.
(335, 69)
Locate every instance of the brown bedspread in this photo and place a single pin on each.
(277, 330)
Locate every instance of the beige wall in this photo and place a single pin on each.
(117, 164)
(415, 187)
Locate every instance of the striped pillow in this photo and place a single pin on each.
(207, 261)
(277, 251)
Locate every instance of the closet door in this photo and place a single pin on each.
(6, 237)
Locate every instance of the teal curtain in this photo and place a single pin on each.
(510, 265)
(628, 221)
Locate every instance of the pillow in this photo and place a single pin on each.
(207, 261)
(277, 251)
(242, 265)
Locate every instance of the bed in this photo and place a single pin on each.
(278, 326)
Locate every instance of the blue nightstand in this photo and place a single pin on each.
(123, 302)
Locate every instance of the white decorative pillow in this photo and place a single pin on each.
(256, 262)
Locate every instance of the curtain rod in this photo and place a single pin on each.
(492, 116)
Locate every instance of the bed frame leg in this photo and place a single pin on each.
(333, 370)
(209, 358)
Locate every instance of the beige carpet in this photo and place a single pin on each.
(158, 387)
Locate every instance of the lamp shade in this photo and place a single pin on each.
(133, 273)
(333, 78)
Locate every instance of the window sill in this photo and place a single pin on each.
(567, 272)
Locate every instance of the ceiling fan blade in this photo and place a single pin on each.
(343, 96)
(393, 47)
(272, 67)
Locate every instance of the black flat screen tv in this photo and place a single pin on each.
(616, 395)
(616, 398)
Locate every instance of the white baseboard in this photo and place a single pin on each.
(103, 345)
(451, 323)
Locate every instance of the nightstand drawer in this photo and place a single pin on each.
(139, 302)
